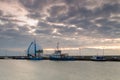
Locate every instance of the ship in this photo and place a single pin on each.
(59, 56)
(34, 52)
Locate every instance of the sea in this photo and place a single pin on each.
(58, 70)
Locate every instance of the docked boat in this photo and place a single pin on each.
(98, 58)
(34, 52)
(59, 56)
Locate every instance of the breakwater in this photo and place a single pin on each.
(78, 58)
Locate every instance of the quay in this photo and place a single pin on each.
(76, 58)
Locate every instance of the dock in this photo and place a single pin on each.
(77, 58)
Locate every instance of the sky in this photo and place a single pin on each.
(86, 24)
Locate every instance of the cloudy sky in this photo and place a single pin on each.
(74, 23)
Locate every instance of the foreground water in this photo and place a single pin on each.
(53, 70)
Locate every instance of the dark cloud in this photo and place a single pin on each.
(72, 13)
(57, 10)
(61, 20)
(31, 4)
(46, 31)
(34, 15)
(106, 10)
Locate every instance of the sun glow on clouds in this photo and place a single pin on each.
(18, 12)
(91, 47)
(105, 47)
(32, 31)
(51, 49)
(12, 8)
(27, 21)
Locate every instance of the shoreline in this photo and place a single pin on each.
(76, 58)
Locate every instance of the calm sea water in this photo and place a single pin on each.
(53, 70)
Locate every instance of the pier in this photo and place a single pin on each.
(77, 58)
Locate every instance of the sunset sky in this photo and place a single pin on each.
(84, 24)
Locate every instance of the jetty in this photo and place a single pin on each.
(76, 58)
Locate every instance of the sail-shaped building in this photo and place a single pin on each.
(34, 51)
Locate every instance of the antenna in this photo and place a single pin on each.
(80, 52)
(103, 51)
(57, 45)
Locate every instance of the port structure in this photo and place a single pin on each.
(35, 52)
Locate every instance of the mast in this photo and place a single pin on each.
(57, 45)
(103, 51)
(57, 51)
(80, 52)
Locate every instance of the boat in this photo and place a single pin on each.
(59, 56)
(33, 52)
(98, 58)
